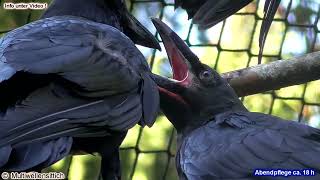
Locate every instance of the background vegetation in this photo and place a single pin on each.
(149, 153)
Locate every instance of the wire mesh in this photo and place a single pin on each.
(230, 45)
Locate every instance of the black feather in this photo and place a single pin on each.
(68, 77)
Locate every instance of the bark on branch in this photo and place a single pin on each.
(275, 75)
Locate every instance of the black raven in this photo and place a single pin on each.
(208, 13)
(73, 81)
(218, 138)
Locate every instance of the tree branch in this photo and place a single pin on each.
(275, 75)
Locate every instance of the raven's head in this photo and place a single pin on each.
(196, 90)
(111, 12)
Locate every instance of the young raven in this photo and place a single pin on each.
(73, 81)
(208, 13)
(218, 138)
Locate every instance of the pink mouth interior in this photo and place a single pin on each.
(179, 67)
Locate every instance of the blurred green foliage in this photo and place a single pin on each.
(149, 153)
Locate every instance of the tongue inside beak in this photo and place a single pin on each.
(177, 60)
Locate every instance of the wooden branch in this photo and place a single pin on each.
(275, 75)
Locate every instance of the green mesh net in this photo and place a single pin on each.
(148, 154)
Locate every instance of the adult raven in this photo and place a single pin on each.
(218, 138)
(73, 81)
(208, 13)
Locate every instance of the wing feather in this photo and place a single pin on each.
(90, 81)
(207, 13)
(270, 9)
(31, 155)
(229, 151)
(75, 118)
(80, 51)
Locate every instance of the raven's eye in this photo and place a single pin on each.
(206, 75)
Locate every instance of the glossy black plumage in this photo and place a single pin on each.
(111, 12)
(73, 81)
(234, 144)
(218, 138)
(207, 13)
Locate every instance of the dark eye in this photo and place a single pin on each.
(206, 75)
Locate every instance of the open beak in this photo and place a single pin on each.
(181, 58)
